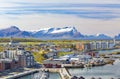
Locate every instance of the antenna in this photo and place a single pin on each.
(114, 41)
(11, 39)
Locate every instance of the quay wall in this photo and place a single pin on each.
(21, 74)
(64, 73)
(51, 69)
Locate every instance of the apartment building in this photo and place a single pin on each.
(16, 58)
(95, 45)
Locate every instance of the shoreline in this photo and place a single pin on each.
(63, 73)
(19, 74)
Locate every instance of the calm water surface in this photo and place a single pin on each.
(108, 51)
(52, 76)
(105, 72)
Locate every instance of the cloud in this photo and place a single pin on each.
(89, 16)
(85, 26)
(62, 1)
(94, 11)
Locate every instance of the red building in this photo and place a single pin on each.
(1, 66)
(52, 64)
(79, 46)
(6, 64)
(21, 61)
(92, 54)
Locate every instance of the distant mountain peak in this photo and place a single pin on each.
(100, 34)
(50, 33)
(64, 29)
(117, 37)
(11, 29)
(14, 27)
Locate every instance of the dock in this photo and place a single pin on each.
(73, 66)
(62, 71)
(17, 75)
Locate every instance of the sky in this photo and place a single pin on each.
(88, 16)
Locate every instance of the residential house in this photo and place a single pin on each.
(52, 64)
(6, 64)
(87, 47)
(29, 59)
(79, 46)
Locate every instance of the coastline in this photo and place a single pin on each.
(17, 75)
(63, 72)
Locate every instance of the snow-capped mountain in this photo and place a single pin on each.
(14, 32)
(56, 33)
(50, 33)
(97, 37)
(117, 37)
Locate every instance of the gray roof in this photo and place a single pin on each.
(52, 62)
(6, 60)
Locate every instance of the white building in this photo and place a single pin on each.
(93, 45)
(111, 45)
(98, 45)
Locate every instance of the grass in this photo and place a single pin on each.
(1, 48)
(30, 43)
(38, 56)
(64, 53)
(115, 53)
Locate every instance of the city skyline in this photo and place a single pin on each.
(88, 16)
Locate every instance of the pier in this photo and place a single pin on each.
(62, 71)
(16, 75)
(112, 56)
(73, 65)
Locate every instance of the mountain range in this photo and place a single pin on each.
(51, 33)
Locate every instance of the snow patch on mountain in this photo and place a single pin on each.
(66, 29)
(51, 33)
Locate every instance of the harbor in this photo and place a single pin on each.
(79, 64)
(104, 72)
(60, 39)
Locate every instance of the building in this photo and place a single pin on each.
(87, 47)
(98, 45)
(111, 45)
(104, 45)
(6, 64)
(24, 58)
(1, 55)
(79, 46)
(92, 45)
(52, 64)
(13, 43)
(1, 66)
(15, 56)
(29, 59)
(12, 52)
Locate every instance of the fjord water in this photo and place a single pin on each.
(108, 51)
(52, 76)
(105, 72)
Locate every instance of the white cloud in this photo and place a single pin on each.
(85, 26)
(40, 20)
(63, 1)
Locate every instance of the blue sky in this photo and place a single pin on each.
(88, 16)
